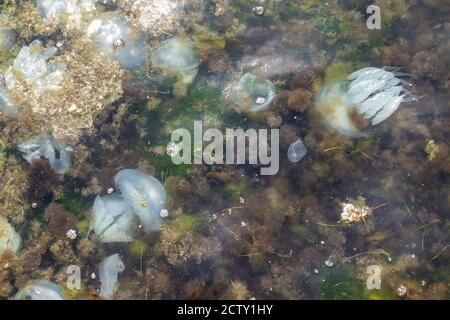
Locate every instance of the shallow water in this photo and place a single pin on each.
(228, 231)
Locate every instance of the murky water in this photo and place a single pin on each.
(356, 204)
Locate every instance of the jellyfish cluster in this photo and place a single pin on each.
(116, 38)
(371, 93)
(109, 270)
(253, 93)
(39, 290)
(71, 10)
(9, 238)
(58, 155)
(142, 197)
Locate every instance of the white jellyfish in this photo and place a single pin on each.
(9, 238)
(7, 107)
(109, 270)
(39, 290)
(177, 59)
(32, 66)
(144, 193)
(252, 93)
(296, 151)
(113, 219)
(371, 93)
(71, 10)
(7, 38)
(58, 155)
(118, 39)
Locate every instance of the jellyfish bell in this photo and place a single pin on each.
(176, 54)
(252, 93)
(109, 270)
(9, 238)
(369, 94)
(296, 151)
(39, 290)
(145, 194)
(116, 38)
(113, 219)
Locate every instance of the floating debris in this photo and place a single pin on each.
(258, 11)
(71, 234)
(354, 210)
(402, 290)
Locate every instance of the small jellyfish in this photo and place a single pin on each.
(7, 38)
(113, 219)
(373, 94)
(253, 93)
(118, 40)
(296, 151)
(7, 107)
(9, 238)
(176, 54)
(70, 10)
(39, 290)
(58, 156)
(144, 193)
(109, 270)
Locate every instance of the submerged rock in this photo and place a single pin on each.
(118, 40)
(109, 270)
(252, 93)
(296, 151)
(113, 219)
(59, 156)
(40, 290)
(9, 238)
(144, 193)
(373, 94)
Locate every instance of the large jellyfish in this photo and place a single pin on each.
(113, 219)
(252, 93)
(145, 194)
(370, 93)
(39, 290)
(118, 39)
(32, 66)
(9, 238)
(109, 270)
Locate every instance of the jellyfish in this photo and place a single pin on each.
(296, 151)
(177, 59)
(144, 193)
(7, 38)
(113, 219)
(32, 66)
(109, 270)
(118, 40)
(7, 107)
(45, 146)
(39, 290)
(71, 10)
(252, 93)
(9, 238)
(370, 93)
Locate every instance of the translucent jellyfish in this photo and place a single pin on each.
(113, 219)
(118, 40)
(296, 151)
(176, 54)
(9, 238)
(109, 270)
(7, 107)
(7, 38)
(145, 194)
(371, 93)
(252, 93)
(32, 66)
(59, 156)
(39, 290)
(71, 10)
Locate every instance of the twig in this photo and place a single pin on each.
(362, 253)
(440, 252)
